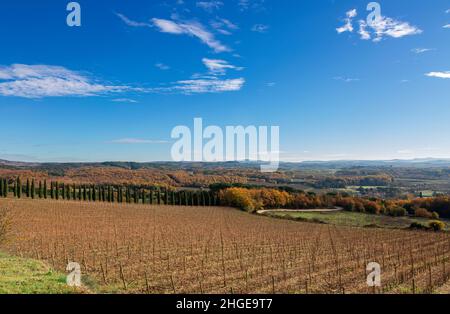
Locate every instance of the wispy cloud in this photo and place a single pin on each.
(345, 79)
(190, 28)
(37, 81)
(132, 23)
(442, 75)
(260, 28)
(421, 50)
(162, 66)
(223, 26)
(125, 100)
(209, 6)
(130, 141)
(217, 66)
(446, 26)
(378, 29)
(210, 85)
(347, 27)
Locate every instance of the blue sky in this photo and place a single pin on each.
(114, 88)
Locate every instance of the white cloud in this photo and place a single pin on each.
(386, 26)
(216, 66)
(191, 28)
(448, 11)
(346, 79)
(260, 28)
(442, 75)
(446, 26)
(162, 66)
(223, 26)
(379, 28)
(421, 50)
(209, 6)
(132, 23)
(211, 85)
(37, 81)
(128, 100)
(348, 27)
(136, 141)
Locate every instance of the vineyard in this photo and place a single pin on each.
(143, 248)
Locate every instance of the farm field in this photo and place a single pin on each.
(166, 249)
(353, 219)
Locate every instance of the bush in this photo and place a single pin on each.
(418, 226)
(423, 213)
(436, 225)
(397, 212)
(435, 215)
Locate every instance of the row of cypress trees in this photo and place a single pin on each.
(106, 193)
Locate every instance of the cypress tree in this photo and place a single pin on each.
(113, 199)
(136, 196)
(158, 196)
(45, 189)
(40, 189)
(127, 194)
(94, 192)
(33, 189)
(68, 192)
(151, 197)
(84, 193)
(166, 196)
(27, 191)
(63, 188)
(19, 188)
(6, 187)
(144, 197)
(1, 187)
(57, 190)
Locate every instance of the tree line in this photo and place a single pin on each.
(105, 193)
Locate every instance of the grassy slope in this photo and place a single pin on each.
(26, 276)
(345, 218)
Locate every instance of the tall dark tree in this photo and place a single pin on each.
(33, 189)
(94, 193)
(28, 189)
(158, 196)
(40, 190)
(45, 189)
(57, 190)
(166, 196)
(19, 188)
(84, 193)
(6, 187)
(63, 189)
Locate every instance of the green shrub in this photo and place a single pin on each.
(418, 226)
(435, 215)
(436, 225)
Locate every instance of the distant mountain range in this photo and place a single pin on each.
(416, 163)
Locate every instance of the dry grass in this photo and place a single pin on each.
(164, 249)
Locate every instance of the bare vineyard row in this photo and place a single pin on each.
(135, 249)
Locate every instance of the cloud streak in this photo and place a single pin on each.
(191, 28)
(38, 81)
(442, 75)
